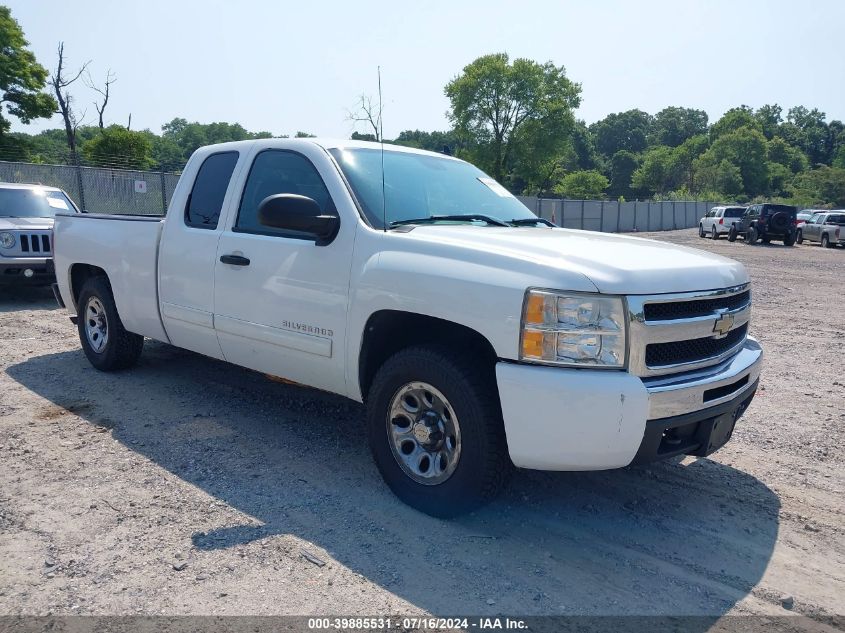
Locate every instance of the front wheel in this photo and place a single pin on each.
(799, 238)
(106, 343)
(436, 432)
(700, 230)
(751, 235)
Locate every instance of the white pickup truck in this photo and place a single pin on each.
(479, 336)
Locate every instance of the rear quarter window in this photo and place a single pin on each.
(206, 200)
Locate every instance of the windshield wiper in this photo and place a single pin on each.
(468, 217)
(531, 222)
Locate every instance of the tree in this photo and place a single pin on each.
(770, 118)
(499, 107)
(672, 126)
(822, 186)
(104, 93)
(745, 148)
(622, 131)
(368, 113)
(22, 78)
(115, 146)
(190, 136)
(60, 83)
(732, 120)
(443, 142)
(622, 167)
(655, 174)
(780, 152)
(807, 130)
(582, 185)
(724, 178)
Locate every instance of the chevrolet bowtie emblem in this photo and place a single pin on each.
(723, 324)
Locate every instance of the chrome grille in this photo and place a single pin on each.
(674, 333)
(31, 244)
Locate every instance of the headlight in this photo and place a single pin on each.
(573, 329)
(7, 240)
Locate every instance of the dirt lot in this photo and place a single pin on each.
(188, 486)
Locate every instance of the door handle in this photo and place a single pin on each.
(235, 260)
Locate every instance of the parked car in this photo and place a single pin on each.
(805, 215)
(478, 336)
(826, 227)
(766, 222)
(718, 221)
(26, 227)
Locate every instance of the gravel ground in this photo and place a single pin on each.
(188, 486)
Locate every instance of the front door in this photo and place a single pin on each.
(280, 301)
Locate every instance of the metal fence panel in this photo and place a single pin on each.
(571, 216)
(627, 216)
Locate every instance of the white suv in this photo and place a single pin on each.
(719, 220)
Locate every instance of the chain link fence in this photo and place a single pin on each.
(106, 190)
(100, 189)
(612, 216)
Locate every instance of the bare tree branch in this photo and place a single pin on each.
(60, 83)
(368, 113)
(103, 92)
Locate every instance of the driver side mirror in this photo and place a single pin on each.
(302, 214)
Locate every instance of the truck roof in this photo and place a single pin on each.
(326, 144)
(20, 185)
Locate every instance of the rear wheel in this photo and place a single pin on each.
(826, 241)
(766, 240)
(751, 235)
(436, 432)
(799, 237)
(700, 230)
(714, 234)
(106, 343)
(732, 234)
(790, 238)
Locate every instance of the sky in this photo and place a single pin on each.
(286, 66)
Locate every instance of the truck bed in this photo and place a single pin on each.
(126, 248)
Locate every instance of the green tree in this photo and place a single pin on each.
(22, 78)
(497, 105)
(444, 142)
(744, 148)
(822, 186)
(770, 118)
(734, 119)
(582, 185)
(622, 131)
(780, 152)
(724, 178)
(622, 168)
(808, 130)
(190, 136)
(115, 146)
(655, 173)
(672, 126)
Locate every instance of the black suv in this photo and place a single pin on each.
(767, 222)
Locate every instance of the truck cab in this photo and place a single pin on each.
(479, 337)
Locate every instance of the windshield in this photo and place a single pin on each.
(734, 212)
(420, 186)
(32, 203)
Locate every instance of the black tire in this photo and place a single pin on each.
(700, 230)
(483, 467)
(826, 241)
(766, 240)
(799, 237)
(790, 238)
(751, 235)
(714, 234)
(732, 234)
(121, 349)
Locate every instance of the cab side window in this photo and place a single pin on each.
(279, 171)
(206, 200)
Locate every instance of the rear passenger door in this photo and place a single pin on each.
(188, 252)
(811, 228)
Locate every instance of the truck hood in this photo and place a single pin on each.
(24, 224)
(615, 264)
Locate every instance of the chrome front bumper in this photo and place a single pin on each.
(704, 388)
